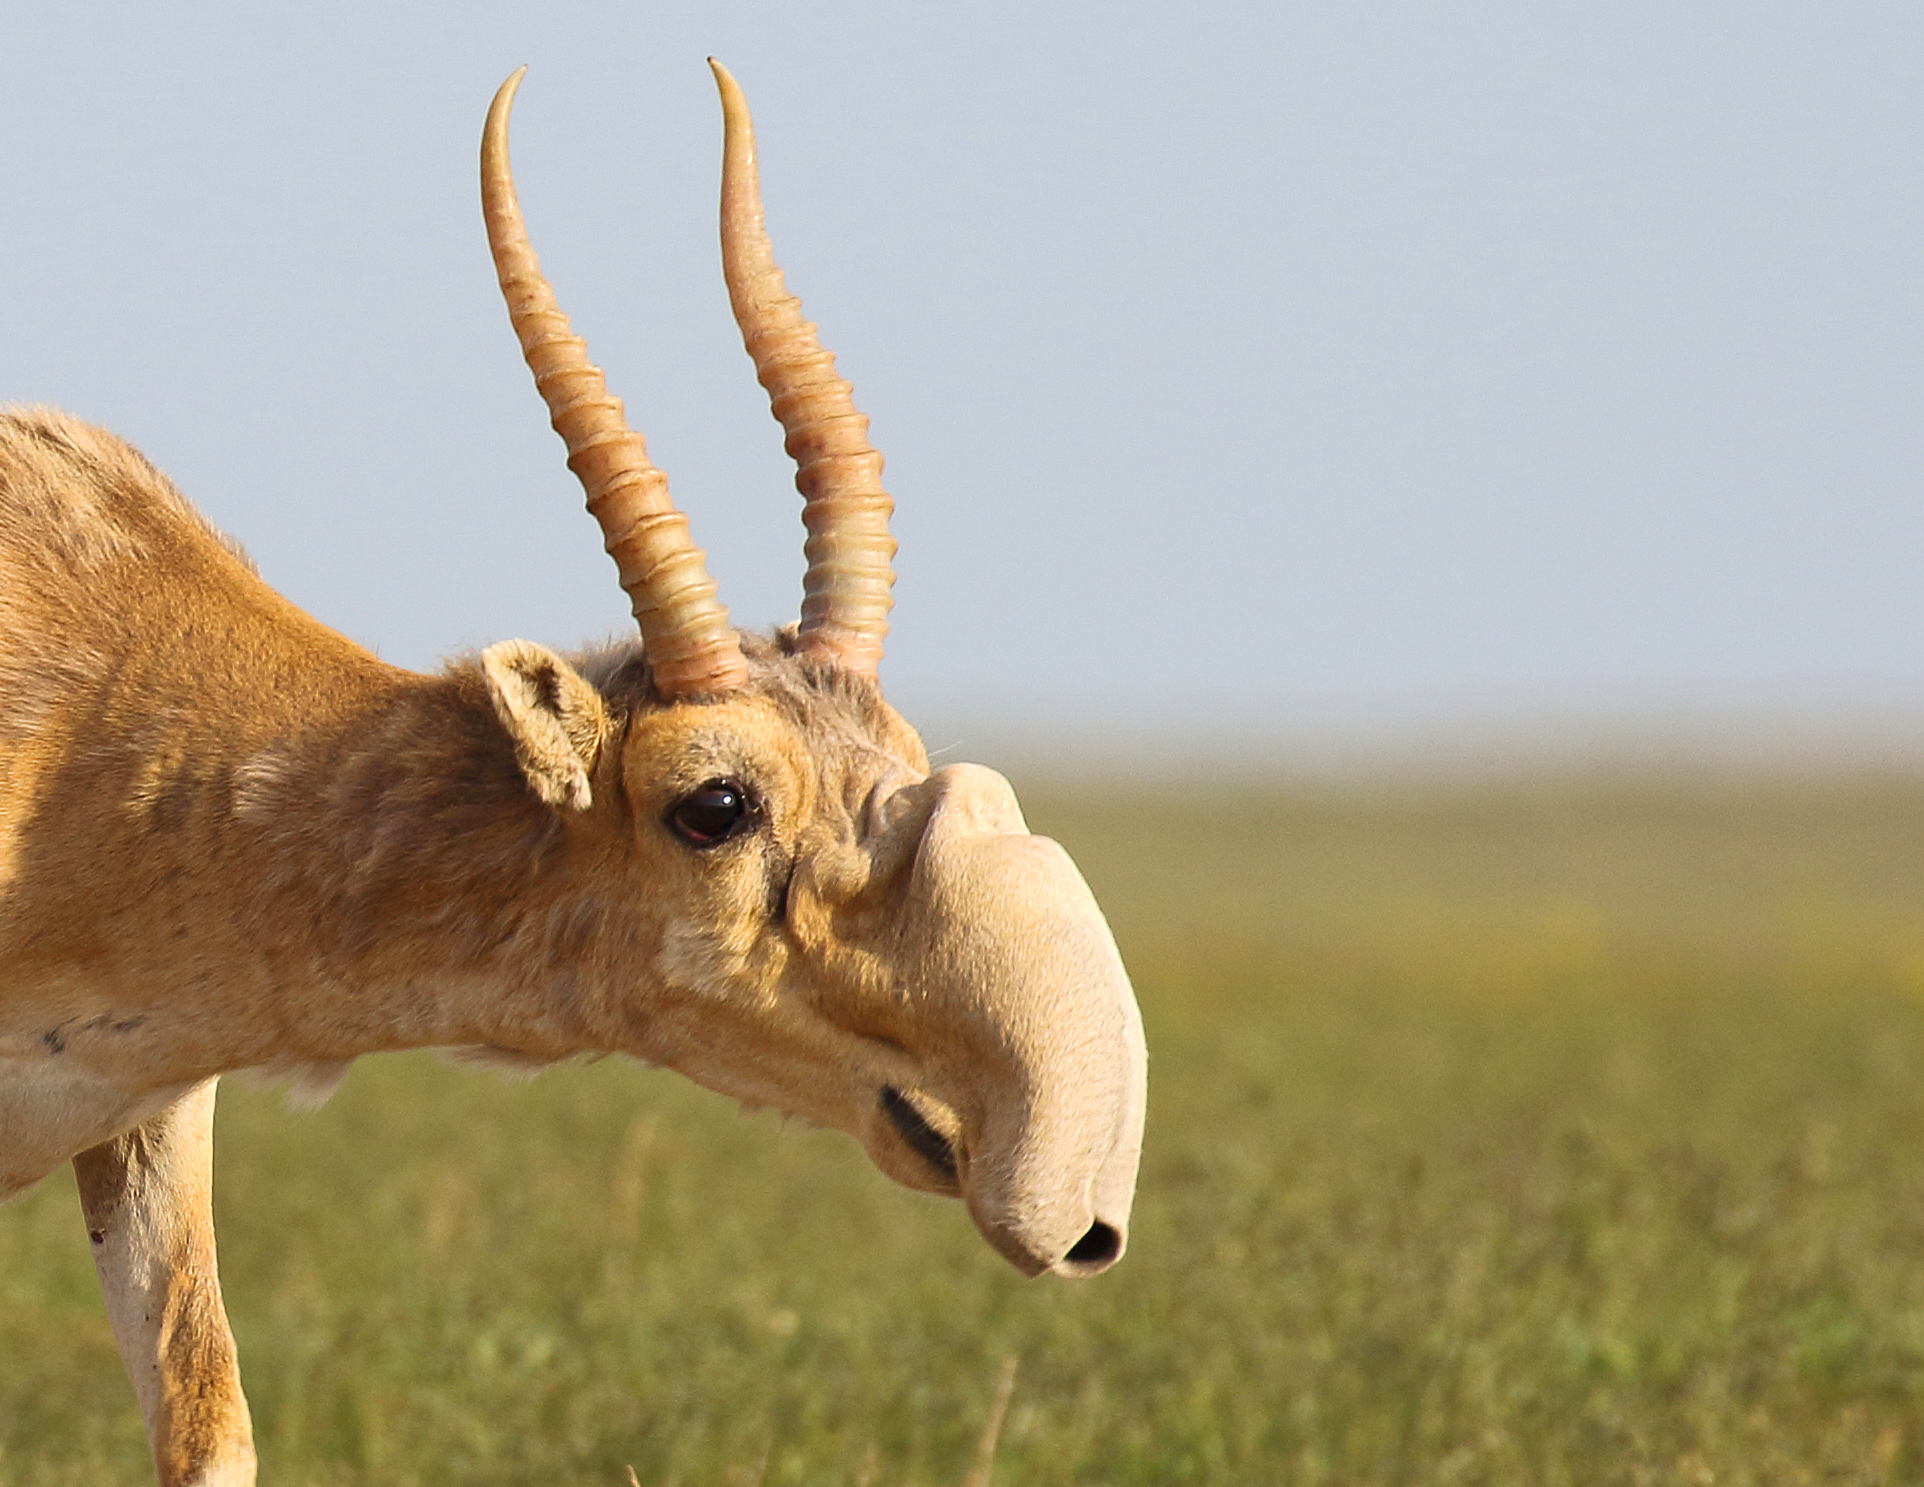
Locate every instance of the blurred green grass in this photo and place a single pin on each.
(1552, 1132)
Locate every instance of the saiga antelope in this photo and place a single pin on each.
(230, 838)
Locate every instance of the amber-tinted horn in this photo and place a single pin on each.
(691, 648)
(845, 596)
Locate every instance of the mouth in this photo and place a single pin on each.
(919, 1136)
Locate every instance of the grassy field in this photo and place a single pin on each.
(1533, 1134)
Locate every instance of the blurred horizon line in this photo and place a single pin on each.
(1338, 741)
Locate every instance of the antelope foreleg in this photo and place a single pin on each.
(148, 1200)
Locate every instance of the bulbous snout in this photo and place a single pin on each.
(1025, 960)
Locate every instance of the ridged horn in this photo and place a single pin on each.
(845, 595)
(691, 647)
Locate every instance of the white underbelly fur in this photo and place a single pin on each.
(52, 1109)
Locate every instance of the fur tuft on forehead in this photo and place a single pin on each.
(812, 693)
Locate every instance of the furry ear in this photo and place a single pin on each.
(554, 716)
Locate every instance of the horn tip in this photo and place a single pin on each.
(731, 91)
(507, 88)
(497, 121)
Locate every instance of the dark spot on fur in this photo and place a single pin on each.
(57, 1039)
(97, 1236)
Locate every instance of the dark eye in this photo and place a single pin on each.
(712, 814)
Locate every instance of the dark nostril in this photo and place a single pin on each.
(1099, 1246)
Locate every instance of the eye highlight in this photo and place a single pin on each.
(712, 813)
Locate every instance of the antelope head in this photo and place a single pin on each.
(828, 926)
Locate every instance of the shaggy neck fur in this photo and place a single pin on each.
(405, 861)
(382, 878)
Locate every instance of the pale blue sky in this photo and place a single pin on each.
(1274, 364)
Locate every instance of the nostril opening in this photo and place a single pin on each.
(1099, 1246)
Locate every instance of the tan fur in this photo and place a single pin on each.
(230, 839)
